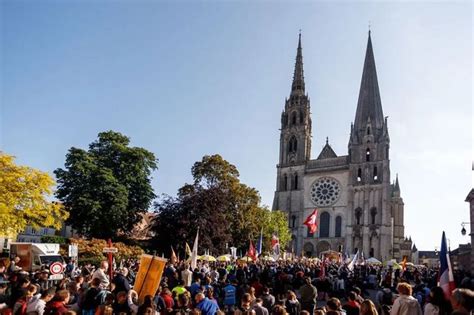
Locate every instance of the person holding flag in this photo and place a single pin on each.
(252, 253)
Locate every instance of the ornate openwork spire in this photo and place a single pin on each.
(298, 77)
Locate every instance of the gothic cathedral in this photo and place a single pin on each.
(359, 208)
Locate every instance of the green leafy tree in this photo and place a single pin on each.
(106, 188)
(225, 210)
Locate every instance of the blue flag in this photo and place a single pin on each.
(259, 243)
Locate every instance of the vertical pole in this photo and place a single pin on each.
(109, 243)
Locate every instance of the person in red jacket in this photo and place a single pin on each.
(168, 298)
(57, 306)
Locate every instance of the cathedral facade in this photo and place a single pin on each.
(359, 206)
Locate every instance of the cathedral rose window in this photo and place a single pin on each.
(325, 191)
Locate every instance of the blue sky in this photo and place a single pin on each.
(185, 79)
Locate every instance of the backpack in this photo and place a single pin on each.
(387, 297)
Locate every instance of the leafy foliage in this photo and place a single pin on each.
(107, 188)
(24, 194)
(91, 250)
(225, 210)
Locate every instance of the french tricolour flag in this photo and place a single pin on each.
(446, 279)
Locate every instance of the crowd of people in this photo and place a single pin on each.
(297, 287)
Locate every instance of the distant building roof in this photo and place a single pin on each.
(428, 254)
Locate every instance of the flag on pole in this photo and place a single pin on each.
(404, 264)
(275, 245)
(352, 263)
(187, 249)
(173, 258)
(259, 243)
(194, 253)
(445, 278)
(252, 253)
(312, 221)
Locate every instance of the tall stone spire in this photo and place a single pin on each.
(369, 106)
(297, 88)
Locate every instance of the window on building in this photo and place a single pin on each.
(301, 118)
(338, 226)
(358, 215)
(293, 118)
(373, 214)
(293, 221)
(371, 252)
(285, 182)
(296, 182)
(367, 155)
(293, 145)
(368, 130)
(375, 173)
(324, 224)
(359, 174)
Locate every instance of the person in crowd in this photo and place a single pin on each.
(308, 293)
(37, 306)
(206, 306)
(352, 307)
(57, 305)
(91, 299)
(437, 303)
(120, 281)
(101, 274)
(334, 307)
(368, 308)
(259, 308)
(462, 301)
(405, 304)
(292, 305)
(268, 299)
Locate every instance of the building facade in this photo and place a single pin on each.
(359, 207)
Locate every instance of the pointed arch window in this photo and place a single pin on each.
(324, 224)
(373, 214)
(293, 145)
(367, 155)
(359, 174)
(293, 118)
(358, 215)
(375, 173)
(295, 187)
(338, 226)
(368, 130)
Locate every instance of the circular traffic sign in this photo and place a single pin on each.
(56, 267)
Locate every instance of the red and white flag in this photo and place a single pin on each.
(252, 252)
(312, 221)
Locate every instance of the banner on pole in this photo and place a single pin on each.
(149, 275)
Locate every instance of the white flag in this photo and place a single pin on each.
(194, 252)
(352, 263)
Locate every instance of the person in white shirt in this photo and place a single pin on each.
(36, 306)
(101, 274)
(187, 276)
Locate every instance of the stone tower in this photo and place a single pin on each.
(295, 144)
(369, 169)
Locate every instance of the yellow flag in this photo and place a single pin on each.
(188, 250)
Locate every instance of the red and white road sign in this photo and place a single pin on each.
(56, 268)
